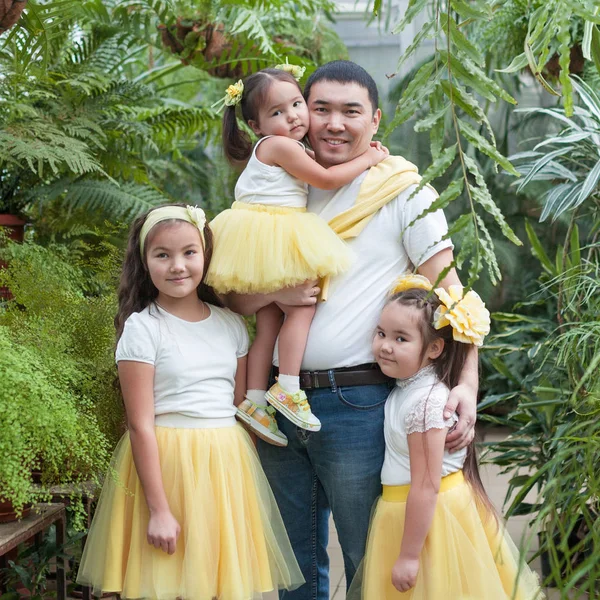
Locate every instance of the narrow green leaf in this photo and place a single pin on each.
(450, 193)
(412, 10)
(564, 60)
(470, 74)
(483, 197)
(457, 37)
(586, 44)
(488, 257)
(501, 367)
(468, 103)
(589, 185)
(538, 250)
(415, 44)
(437, 168)
(471, 10)
(484, 146)
(431, 119)
(595, 47)
(418, 89)
(574, 247)
(437, 133)
(518, 64)
(459, 225)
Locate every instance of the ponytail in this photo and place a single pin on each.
(236, 142)
(471, 473)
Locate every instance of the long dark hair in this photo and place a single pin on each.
(236, 142)
(448, 367)
(136, 290)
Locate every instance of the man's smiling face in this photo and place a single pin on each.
(342, 121)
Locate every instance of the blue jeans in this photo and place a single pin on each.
(335, 470)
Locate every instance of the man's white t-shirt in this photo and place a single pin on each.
(343, 328)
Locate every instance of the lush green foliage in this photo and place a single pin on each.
(96, 114)
(59, 409)
(450, 93)
(548, 354)
(74, 126)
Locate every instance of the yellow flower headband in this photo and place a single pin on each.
(189, 214)
(465, 313)
(234, 92)
(296, 71)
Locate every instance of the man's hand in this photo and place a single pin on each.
(404, 573)
(463, 400)
(304, 294)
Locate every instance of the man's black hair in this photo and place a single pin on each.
(345, 71)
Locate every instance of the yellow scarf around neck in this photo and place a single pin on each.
(381, 185)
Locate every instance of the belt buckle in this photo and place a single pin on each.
(315, 380)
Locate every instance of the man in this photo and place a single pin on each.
(338, 469)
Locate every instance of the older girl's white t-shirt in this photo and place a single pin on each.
(195, 363)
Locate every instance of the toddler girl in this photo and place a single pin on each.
(267, 241)
(188, 512)
(434, 533)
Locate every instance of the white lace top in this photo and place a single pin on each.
(415, 405)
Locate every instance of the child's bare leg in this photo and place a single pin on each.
(253, 411)
(286, 395)
(292, 343)
(260, 357)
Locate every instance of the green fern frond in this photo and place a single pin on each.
(125, 201)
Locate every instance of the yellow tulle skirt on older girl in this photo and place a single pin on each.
(232, 545)
(467, 555)
(260, 249)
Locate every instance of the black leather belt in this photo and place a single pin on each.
(367, 374)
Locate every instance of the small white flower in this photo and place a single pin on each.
(197, 216)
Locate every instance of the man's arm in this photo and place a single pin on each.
(304, 294)
(463, 397)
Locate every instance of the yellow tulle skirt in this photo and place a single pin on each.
(261, 249)
(467, 555)
(232, 545)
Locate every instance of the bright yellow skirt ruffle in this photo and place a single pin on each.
(261, 249)
(233, 544)
(466, 555)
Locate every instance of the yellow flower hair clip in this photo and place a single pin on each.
(465, 313)
(296, 71)
(410, 281)
(232, 97)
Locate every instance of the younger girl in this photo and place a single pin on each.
(267, 241)
(188, 512)
(434, 533)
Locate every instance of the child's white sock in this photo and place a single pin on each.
(257, 396)
(290, 383)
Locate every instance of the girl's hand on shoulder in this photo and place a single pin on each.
(163, 531)
(404, 573)
(379, 146)
(377, 153)
(310, 153)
